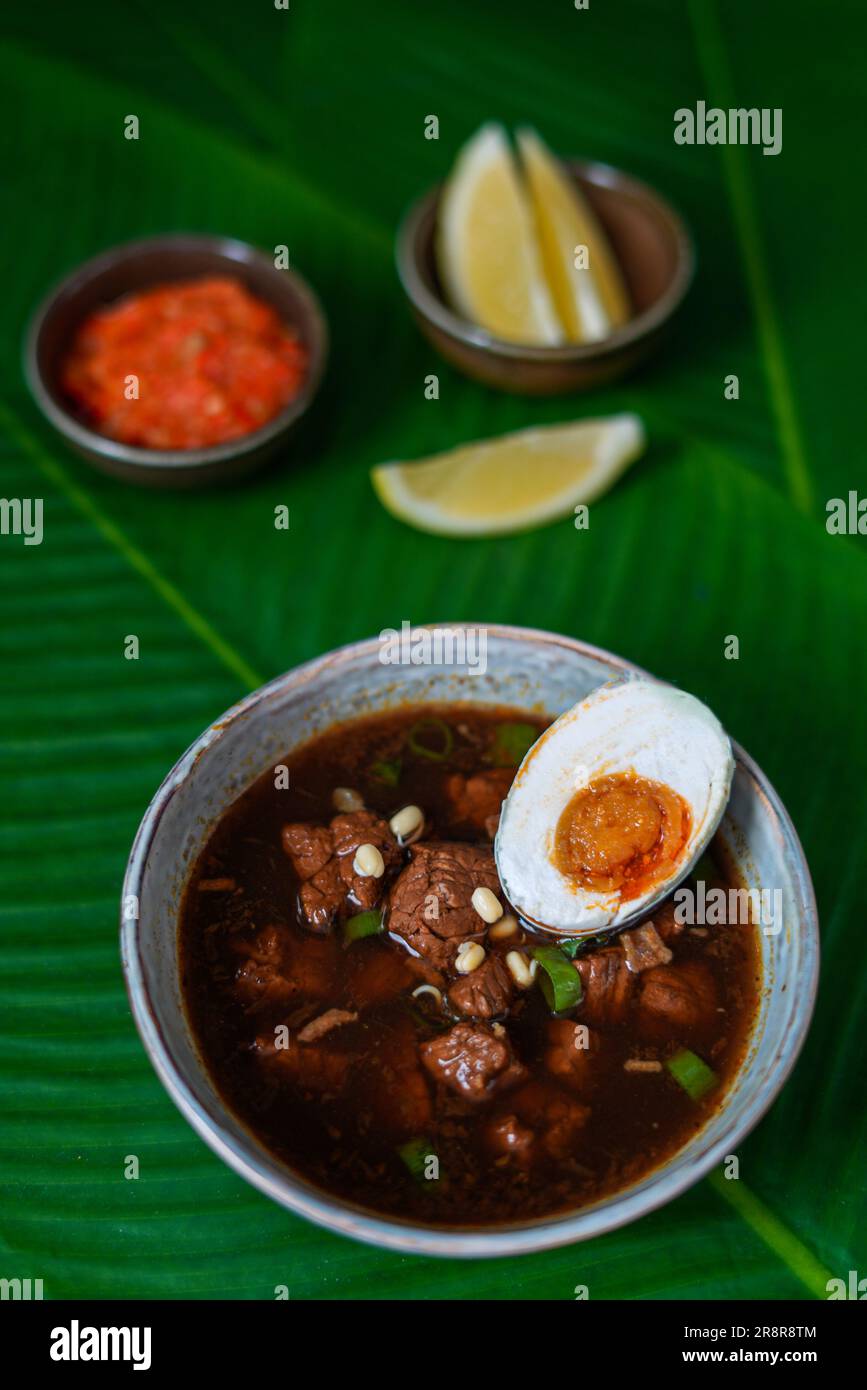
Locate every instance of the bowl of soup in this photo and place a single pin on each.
(337, 994)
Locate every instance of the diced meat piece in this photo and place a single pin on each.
(260, 985)
(325, 1023)
(644, 948)
(309, 847)
(556, 1118)
(407, 1103)
(677, 1001)
(568, 1055)
(609, 986)
(486, 992)
(394, 1085)
(270, 946)
(424, 972)
(472, 1061)
(277, 969)
(430, 903)
(666, 923)
(361, 828)
(316, 1069)
(564, 1122)
(477, 799)
(323, 860)
(506, 1137)
(379, 971)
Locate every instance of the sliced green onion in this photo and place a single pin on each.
(511, 743)
(584, 944)
(690, 1072)
(387, 772)
(415, 1154)
(576, 945)
(361, 925)
(424, 750)
(558, 979)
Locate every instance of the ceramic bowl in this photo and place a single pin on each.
(656, 256)
(527, 669)
(135, 266)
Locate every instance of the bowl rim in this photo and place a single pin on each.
(231, 250)
(278, 1181)
(436, 311)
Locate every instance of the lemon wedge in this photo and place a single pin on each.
(511, 482)
(486, 246)
(591, 301)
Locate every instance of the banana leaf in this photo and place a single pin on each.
(306, 127)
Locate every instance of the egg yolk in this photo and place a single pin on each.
(621, 832)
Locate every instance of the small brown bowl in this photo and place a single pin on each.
(158, 260)
(656, 257)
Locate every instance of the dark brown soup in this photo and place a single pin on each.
(357, 1010)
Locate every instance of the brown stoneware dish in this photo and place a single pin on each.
(656, 256)
(138, 265)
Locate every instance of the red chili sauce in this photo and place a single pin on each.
(183, 365)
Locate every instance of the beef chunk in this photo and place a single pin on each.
(608, 987)
(381, 970)
(472, 1061)
(644, 948)
(564, 1121)
(315, 1068)
(477, 799)
(484, 993)
(277, 969)
(423, 971)
(430, 903)
(309, 847)
(322, 859)
(667, 925)
(506, 1137)
(394, 1087)
(677, 1002)
(556, 1118)
(378, 973)
(566, 1056)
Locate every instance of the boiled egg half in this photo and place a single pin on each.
(612, 806)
